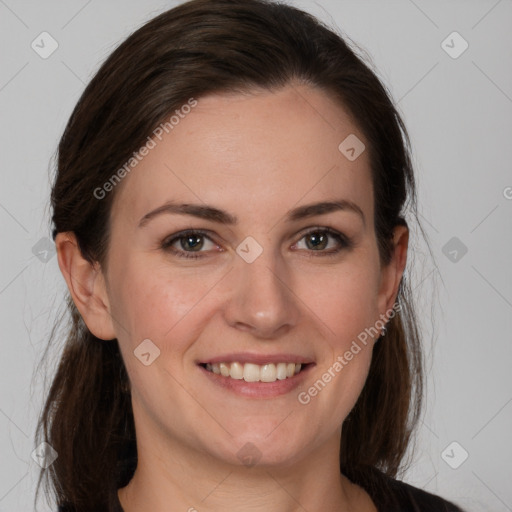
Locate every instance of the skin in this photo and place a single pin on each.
(256, 156)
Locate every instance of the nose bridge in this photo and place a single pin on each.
(262, 300)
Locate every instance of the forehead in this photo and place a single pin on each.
(259, 153)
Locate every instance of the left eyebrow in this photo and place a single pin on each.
(310, 210)
(213, 214)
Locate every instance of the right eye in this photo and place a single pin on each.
(190, 239)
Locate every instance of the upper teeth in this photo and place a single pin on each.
(254, 372)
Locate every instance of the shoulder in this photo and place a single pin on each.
(114, 507)
(391, 495)
(415, 499)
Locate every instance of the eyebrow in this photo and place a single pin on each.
(213, 214)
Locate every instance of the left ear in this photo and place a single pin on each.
(391, 274)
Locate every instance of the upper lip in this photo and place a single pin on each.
(260, 359)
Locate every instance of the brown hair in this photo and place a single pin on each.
(201, 47)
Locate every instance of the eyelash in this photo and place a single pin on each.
(344, 241)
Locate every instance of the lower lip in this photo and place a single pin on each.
(257, 389)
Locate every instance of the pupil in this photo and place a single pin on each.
(190, 240)
(319, 238)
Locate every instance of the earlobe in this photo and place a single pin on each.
(392, 273)
(86, 285)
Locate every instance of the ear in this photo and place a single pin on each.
(87, 286)
(391, 274)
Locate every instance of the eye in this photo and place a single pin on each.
(317, 241)
(191, 239)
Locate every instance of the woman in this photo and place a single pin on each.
(229, 216)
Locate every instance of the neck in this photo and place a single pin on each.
(184, 479)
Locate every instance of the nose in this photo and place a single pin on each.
(262, 301)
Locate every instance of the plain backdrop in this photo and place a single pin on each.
(457, 105)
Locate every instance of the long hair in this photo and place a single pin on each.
(197, 48)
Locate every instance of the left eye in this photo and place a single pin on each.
(317, 241)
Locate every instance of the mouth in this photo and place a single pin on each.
(251, 375)
(252, 372)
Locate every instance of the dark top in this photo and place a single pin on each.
(388, 495)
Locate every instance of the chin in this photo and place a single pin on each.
(263, 447)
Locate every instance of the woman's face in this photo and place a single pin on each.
(274, 283)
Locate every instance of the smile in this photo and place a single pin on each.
(251, 372)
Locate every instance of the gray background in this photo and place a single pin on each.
(458, 112)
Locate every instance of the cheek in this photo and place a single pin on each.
(150, 300)
(346, 301)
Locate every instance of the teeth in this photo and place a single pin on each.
(251, 372)
(268, 373)
(281, 371)
(236, 371)
(254, 372)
